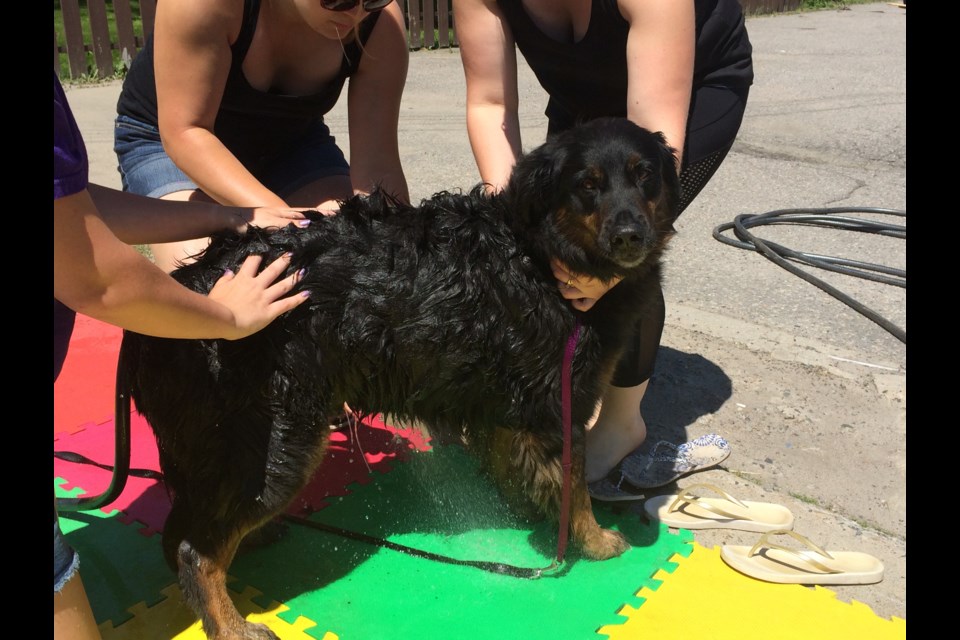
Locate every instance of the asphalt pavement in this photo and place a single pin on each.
(809, 390)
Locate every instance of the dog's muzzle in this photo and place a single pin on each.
(629, 242)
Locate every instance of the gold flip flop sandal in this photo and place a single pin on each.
(773, 562)
(688, 510)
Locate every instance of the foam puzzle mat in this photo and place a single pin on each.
(392, 483)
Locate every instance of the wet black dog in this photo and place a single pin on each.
(445, 313)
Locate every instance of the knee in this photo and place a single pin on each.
(66, 562)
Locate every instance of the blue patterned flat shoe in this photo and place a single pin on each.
(613, 488)
(667, 462)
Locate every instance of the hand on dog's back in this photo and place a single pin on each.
(253, 299)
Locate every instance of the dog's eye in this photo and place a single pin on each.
(642, 171)
(589, 184)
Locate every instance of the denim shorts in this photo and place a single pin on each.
(66, 562)
(146, 169)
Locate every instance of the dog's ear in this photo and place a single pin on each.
(533, 188)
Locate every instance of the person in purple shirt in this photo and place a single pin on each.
(97, 272)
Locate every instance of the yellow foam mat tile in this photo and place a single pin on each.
(702, 597)
(172, 619)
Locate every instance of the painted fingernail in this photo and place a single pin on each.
(288, 255)
(228, 272)
(300, 273)
(304, 223)
(305, 294)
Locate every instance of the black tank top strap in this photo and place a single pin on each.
(354, 50)
(251, 13)
(366, 27)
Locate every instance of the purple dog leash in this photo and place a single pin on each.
(566, 462)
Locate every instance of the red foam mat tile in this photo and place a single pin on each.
(85, 390)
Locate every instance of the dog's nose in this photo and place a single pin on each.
(627, 238)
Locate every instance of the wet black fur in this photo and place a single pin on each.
(445, 313)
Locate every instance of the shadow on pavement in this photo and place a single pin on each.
(684, 387)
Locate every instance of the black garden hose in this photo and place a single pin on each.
(121, 467)
(830, 218)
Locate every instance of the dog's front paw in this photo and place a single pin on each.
(604, 544)
(256, 631)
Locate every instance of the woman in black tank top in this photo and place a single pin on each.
(683, 67)
(236, 91)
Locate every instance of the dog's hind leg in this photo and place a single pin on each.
(523, 462)
(203, 574)
(203, 581)
(209, 522)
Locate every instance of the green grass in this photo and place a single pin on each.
(819, 5)
(451, 38)
(813, 5)
(91, 75)
(806, 499)
(144, 250)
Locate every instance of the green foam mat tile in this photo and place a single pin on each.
(133, 593)
(120, 567)
(437, 502)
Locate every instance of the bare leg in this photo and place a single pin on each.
(618, 429)
(72, 616)
(322, 193)
(170, 255)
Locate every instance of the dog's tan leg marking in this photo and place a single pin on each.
(500, 452)
(523, 468)
(204, 581)
(595, 541)
(500, 449)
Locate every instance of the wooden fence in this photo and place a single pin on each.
(90, 50)
(93, 54)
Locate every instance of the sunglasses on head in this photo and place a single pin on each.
(346, 5)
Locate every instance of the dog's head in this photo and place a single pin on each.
(601, 197)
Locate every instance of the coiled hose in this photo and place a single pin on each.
(830, 218)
